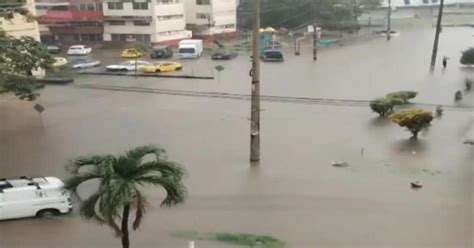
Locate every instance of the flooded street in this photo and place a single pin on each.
(294, 194)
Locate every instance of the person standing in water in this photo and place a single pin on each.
(445, 62)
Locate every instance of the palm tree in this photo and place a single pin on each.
(120, 183)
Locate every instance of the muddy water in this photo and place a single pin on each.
(295, 194)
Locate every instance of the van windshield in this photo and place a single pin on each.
(187, 50)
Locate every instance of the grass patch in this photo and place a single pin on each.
(241, 239)
(251, 240)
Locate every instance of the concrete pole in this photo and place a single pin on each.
(389, 19)
(315, 42)
(436, 40)
(255, 101)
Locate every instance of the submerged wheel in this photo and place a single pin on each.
(47, 213)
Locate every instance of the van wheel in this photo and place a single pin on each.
(47, 213)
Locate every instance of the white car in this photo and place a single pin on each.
(59, 61)
(27, 197)
(79, 50)
(127, 65)
(85, 63)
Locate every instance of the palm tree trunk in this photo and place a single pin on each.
(125, 239)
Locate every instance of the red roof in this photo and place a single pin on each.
(62, 16)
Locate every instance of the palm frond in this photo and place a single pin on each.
(73, 166)
(141, 151)
(165, 168)
(141, 208)
(88, 209)
(115, 227)
(73, 182)
(175, 190)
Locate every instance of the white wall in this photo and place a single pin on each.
(192, 8)
(19, 26)
(401, 3)
(127, 10)
(128, 28)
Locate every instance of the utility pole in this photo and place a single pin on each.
(389, 19)
(255, 73)
(315, 42)
(436, 40)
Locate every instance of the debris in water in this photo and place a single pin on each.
(416, 185)
(340, 164)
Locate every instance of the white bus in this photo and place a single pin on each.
(28, 197)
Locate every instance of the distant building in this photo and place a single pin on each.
(147, 21)
(421, 3)
(19, 25)
(210, 17)
(72, 21)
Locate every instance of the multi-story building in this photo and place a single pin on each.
(210, 17)
(70, 21)
(19, 25)
(148, 21)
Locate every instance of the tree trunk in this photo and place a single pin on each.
(125, 239)
(415, 134)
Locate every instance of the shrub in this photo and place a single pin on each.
(468, 84)
(467, 57)
(414, 120)
(250, 240)
(381, 106)
(405, 95)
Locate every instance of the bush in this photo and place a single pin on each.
(381, 106)
(468, 84)
(250, 240)
(414, 120)
(467, 57)
(404, 95)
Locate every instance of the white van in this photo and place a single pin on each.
(191, 49)
(28, 197)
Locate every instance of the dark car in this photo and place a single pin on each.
(161, 52)
(272, 55)
(224, 55)
(53, 49)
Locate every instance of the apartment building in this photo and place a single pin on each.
(70, 21)
(210, 17)
(19, 25)
(148, 21)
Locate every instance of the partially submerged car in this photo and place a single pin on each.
(161, 52)
(165, 66)
(85, 63)
(79, 50)
(224, 54)
(272, 55)
(129, 65)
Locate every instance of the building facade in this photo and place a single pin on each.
(147, 21)
(19, 25)
(210, 17)
(72, 21)
(421, 3)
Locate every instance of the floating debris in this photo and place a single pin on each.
(416, 185)
(340, 164)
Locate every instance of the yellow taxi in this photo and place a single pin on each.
(131, 53)
(162, 66)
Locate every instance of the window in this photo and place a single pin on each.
(140, 5)
(203, 2)
(115, 5)
(119, 37)
(167, 1)
(228, 26)
(169, 17)
(203, 16)
(407, 2)
(90, 6)
(116, 23)
(91, 37)
(141, 23)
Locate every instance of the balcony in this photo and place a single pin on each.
(76, 30)
(66, 16)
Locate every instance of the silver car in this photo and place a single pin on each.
(85, 63)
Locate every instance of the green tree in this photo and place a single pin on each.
(404, 95)
(121, 180)
(414, 120)
(18, 58)
(467, 57)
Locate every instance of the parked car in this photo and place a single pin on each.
(129, 65)
(27, 197)
(53, 49)
(164, 66)
(392, 33)
(190, 49)
(131, 53)
(272, 55)
(161, 52)
(85, 63)
(79, 50)
(224, 54)
(59, 61)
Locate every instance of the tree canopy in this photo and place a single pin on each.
(467, 57)
(18, 58)
(414, 120)
(329, 14)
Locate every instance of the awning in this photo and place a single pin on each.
(62, 16)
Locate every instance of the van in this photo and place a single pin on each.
(190, 49)
(27, 197)
(158, 52)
